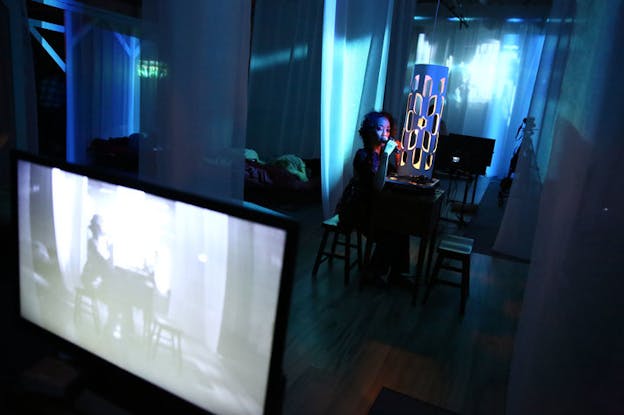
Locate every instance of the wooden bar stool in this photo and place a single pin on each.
(341, 237)
(458, 249)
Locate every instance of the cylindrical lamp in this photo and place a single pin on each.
(423, 115)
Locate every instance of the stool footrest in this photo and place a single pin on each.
(447, 282)
(451, 268)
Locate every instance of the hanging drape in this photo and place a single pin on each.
(201, 102)
(284, 79)
(569, 345)
(18, 122)
(516, 232)
(547, 90)
(493, 65)
(400, 58)
(355, 50)
(293, 43)
(517, 228)
(102, 82)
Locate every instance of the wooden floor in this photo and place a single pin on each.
(345, 343)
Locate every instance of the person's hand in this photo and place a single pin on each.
(390, 146)
(399, 144)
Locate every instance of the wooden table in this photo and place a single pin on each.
(415, 213)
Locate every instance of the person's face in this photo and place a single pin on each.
(383, 129)
(98, 226)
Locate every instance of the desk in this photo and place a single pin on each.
(415, 213)
(123, 291)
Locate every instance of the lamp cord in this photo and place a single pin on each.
(435, 24)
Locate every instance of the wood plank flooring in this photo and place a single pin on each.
(345, 343)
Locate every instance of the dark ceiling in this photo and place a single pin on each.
(486, 8)
(462, 7)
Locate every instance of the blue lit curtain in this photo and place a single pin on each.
(547, 90)
(201, 105)
(102, 82)
(569, 344)
(493, 65)
(356, 39)
(285, 78)
(18, 125)
(400, 58)
(517, 229)
(286, 97)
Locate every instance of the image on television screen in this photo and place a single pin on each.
(180, 295)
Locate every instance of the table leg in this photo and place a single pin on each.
(365, 271)
(432, 244)
(422, 249)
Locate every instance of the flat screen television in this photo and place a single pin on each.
(164, 299)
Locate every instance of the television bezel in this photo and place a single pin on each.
(101, 376)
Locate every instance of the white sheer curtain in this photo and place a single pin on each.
(293, 44)
(285, 78)
(517, 228)
(201, 103)
(69, 202)
(548, 88)
(492, 70)
(102, 82)
(356, 39)
(516, 233)
(400, 58)
(569, 345)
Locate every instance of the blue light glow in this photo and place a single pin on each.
(279, 57)
(70, 151)
(33, 24)
(48, 48)
(46, 25)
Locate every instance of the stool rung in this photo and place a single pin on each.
(452, 268)
(447, 282)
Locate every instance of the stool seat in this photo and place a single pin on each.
(453, 248)
(334, 221)
(341, 237)
(456, 245)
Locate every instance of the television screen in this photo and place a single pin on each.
(188, 294)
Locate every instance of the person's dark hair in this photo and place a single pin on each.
(369, 125)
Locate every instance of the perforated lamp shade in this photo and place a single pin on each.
(423, 115)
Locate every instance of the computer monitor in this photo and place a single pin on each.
(181, 298)
(459, 152)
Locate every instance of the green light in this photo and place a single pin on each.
(151, 69)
